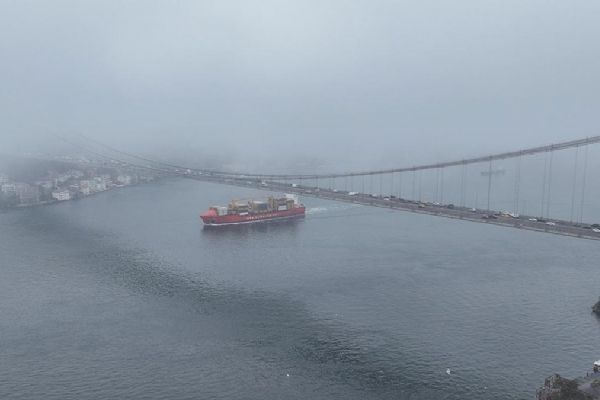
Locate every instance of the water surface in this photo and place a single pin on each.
(125, 295)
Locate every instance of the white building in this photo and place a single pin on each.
(124, 179)
(99, 185)
(3, 178)
(86, 186)
(106, 179)
(8, 188)
(61, 195)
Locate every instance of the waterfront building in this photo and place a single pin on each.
(99, 185)
(45, 189)
(8, 188)
(124, 180)
(61, 195)
(27, 194)
(106, 178)
(85, 187)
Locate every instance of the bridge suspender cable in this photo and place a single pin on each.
(463, 183)
(442, 188)
(585, 159)
(517, 184)
(400, 185)
(489, 190)
(420, 186)
(574, 184)
(413, 185)
(544, 184)
(549, 185)
(436, 185)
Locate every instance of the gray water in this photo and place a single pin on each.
(125, 295)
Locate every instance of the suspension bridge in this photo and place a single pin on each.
(450, 184)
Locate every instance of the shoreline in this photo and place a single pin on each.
(54, 201)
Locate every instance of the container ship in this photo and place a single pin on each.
(252, 211)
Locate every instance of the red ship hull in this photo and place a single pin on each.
(211, 218)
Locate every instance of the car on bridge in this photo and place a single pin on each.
(489, 216)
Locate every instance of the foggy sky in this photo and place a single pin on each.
(359, 83)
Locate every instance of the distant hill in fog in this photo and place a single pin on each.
(24, 169)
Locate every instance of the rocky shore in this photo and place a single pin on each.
(585, 388)
(596, 308)
(558, 388)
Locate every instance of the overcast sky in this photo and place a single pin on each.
(383, 82)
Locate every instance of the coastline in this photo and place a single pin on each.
(586, 387)
(54, 201)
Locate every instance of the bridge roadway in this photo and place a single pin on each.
(553, 226)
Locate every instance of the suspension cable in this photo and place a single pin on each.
(585, 160)
(544, 184)
(574, 184)
(549, 184)
(489, 189)
(517, 185)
